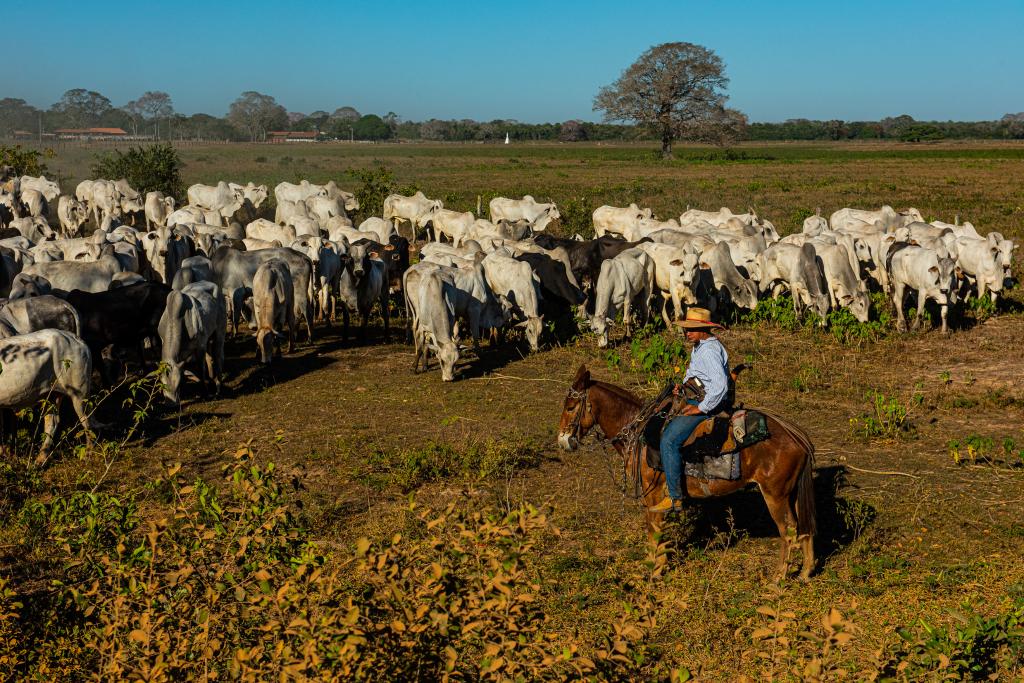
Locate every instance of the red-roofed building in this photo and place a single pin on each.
(90, 133)
(292, 136)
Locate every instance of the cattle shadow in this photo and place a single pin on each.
(250, 376)
(723, 522)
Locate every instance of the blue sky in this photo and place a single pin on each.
(531, 61)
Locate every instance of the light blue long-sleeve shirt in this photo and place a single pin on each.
(709, 363)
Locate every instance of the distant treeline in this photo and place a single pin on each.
(253, 116)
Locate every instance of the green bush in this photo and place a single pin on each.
(887, 416)
(577, 216)
(975, 648)
(25, 161)
(154, 168)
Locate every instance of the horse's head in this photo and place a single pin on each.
(577, 412)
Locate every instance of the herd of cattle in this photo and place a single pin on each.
(75, 303)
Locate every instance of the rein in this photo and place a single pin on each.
(628, 437)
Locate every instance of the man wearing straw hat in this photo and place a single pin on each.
(706, 388)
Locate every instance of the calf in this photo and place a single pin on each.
(39, 365)
(273, 307)
(192, 327)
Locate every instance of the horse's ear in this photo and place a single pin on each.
(582, 377)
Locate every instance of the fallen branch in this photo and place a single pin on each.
(902, 474)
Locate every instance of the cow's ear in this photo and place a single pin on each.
(374, 254)
(704, 266)
(933, 269)
(389, 247)
(675, 262)
(846, 298)
(582, 377)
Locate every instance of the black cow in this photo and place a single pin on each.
(586, 256)
(121, 318)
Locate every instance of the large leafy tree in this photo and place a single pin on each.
(371, 127)
(256, 113)
(17, 114)
(81, 108)
(675, 89)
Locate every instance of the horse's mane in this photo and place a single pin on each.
(618, 391)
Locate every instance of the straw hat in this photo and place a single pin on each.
(698, 319)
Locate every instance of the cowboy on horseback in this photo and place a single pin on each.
(705, 388)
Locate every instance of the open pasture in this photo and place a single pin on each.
(920, 437)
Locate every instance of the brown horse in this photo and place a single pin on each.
(781, 466)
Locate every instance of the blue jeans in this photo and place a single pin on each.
(672, 438)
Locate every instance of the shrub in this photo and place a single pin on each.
(982, 308)
(577, 216)
(974, 648)
(25, 161)
(224, 583)
(154, 168)
(887, 416)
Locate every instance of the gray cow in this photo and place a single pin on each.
(22, 316)
(192, 327)
(234, 270)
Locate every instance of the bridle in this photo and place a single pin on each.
(582, 406)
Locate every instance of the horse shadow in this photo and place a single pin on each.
(723, 522)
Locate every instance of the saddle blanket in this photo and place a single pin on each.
(725, 466)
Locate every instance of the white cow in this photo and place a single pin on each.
(613, 219)
(220, 198)
(889, 218)
(845, 289)
(273, 308)
(46, 365)
(981, 259)
(399, 208)
(675, 275)
(515, 282)
(158, 208)
(539, 214)
(625, 282)
(298, 193)
(262, 229)
(48, 188)
(72, 215)
(914, 267)
(455, 225)
(797, 268)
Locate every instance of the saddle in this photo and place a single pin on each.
(712, 450)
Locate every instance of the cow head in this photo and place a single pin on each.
(599, 325)
(447, 356)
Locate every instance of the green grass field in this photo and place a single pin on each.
(919, 474)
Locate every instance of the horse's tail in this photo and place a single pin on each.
(806, 517)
